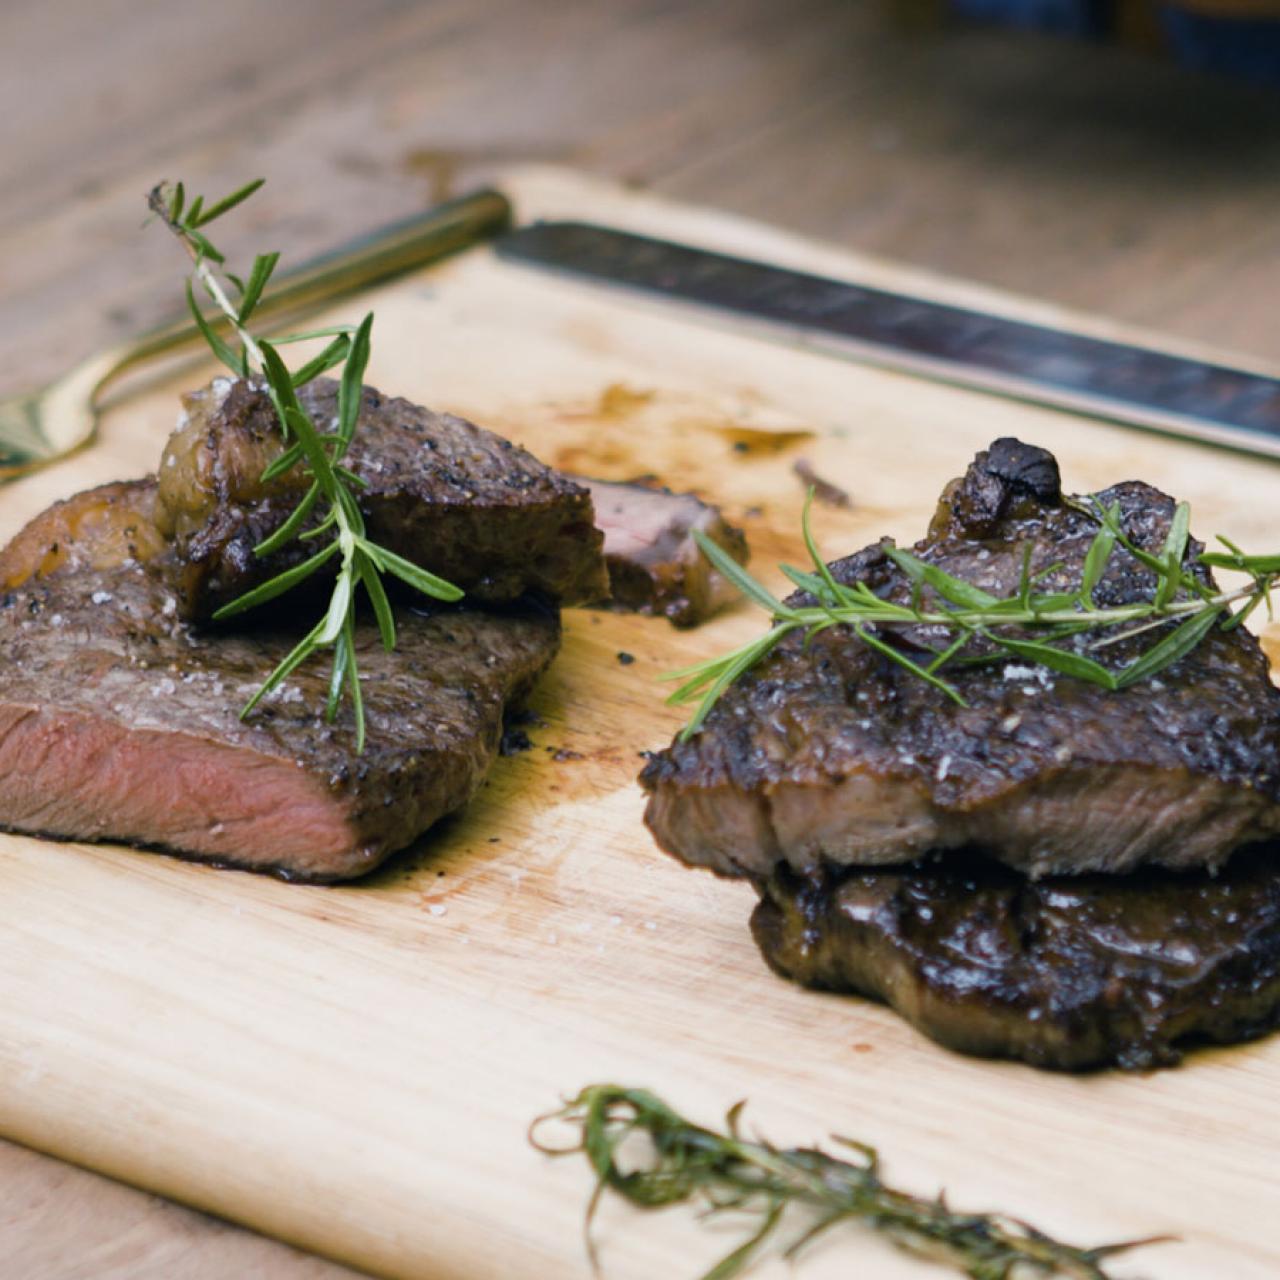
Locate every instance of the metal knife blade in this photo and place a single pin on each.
(1137, 386)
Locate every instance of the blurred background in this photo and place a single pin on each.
(1231, 37)
(1121, 158)
(1075, 150)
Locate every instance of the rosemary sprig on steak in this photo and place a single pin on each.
(962, 624)
(331, 493)
(728, 1173)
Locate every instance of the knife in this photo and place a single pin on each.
(1134, 385)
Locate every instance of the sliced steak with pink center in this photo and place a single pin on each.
(119, 722)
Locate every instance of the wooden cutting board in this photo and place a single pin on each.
(353, 1069)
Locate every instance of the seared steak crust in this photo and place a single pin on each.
(96, 529)
(1067, 972)
(118, 722)
(455, 499)
(655, 567)
(832, 753)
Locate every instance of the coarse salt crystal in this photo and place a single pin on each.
(102, 597)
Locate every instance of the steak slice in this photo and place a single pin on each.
(118, 722)
(1067, 972)
(655, 567)
(834, 753)
(453, 498)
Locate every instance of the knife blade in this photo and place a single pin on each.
(1134, 385)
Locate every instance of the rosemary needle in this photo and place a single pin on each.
(1060, 630)
(329, 505)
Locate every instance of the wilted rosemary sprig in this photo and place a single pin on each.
(727, 1173)
(1068, 625)
(331, 493)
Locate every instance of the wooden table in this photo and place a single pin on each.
(1082, 176)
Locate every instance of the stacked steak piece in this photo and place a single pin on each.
(1051, 871)
(452, 497)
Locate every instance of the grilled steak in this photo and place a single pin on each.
(457, 500)
(831, 753)
(119, 722)
(1067, 972)
(655, 566)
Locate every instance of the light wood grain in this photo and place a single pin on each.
(352, 1069)
(121, 1234)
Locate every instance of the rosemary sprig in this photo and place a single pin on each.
(726, 1173)
(1055, 629)
(331, 493)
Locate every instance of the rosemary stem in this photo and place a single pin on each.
(891, 613)
(214, 288)
(724, 1172)
(206, 275)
